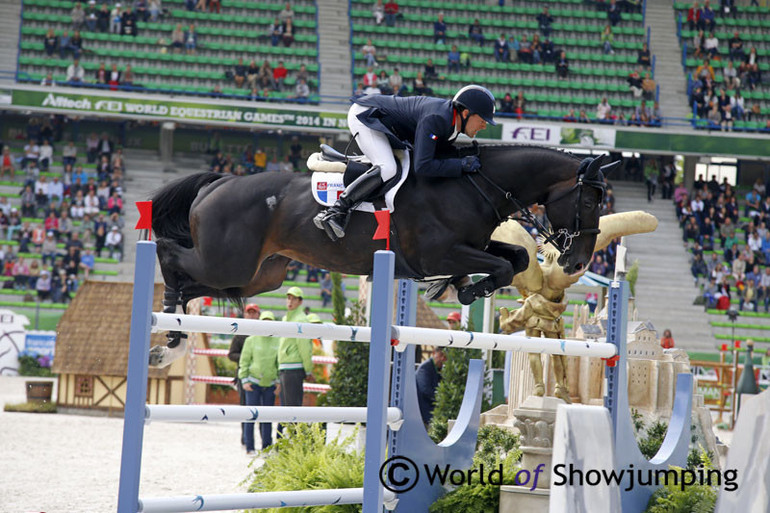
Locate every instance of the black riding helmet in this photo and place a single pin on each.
(478, 100)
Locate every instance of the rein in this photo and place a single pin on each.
(562, 238)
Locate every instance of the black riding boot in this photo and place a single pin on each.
(334, 220)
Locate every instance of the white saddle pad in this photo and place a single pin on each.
(327, 184)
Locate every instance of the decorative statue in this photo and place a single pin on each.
(542, 286)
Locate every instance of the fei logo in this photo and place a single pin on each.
(109, 105)
(531, 133)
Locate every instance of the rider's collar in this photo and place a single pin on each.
(455, 132)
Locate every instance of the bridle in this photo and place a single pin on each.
(562, 238)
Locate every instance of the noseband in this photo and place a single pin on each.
(562, 238)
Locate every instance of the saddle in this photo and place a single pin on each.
(333, 171)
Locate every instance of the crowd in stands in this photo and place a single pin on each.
(260, 81)
(534, 48)
(64, 217)
(721, 105)
(729, 245)
(257, 161)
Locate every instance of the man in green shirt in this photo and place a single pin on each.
(295, 355)
(258, 374)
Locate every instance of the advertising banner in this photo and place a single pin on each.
(558, 135)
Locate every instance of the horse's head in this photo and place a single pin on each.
(574, 215)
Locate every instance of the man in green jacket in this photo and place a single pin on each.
(258, 374)
(295, 355)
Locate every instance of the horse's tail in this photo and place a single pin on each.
(171, 207)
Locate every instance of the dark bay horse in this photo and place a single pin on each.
(229, 236)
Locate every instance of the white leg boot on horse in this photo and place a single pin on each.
(334, 220)
(163, 356)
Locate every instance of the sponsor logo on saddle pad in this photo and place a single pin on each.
(327, 187)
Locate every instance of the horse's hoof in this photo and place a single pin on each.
(466, 296)
(163, 356)
(436, 290)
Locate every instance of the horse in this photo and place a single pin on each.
(233, 236)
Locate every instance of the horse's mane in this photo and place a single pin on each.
(498, 147)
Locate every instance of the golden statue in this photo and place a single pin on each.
(542, 286)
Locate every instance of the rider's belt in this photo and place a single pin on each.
(290, 366)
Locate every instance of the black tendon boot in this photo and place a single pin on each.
(334, 220)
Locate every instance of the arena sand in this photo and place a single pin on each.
(58, 463)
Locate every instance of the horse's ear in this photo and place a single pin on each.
(609, 168)
(594, 169)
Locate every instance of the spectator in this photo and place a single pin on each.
(287, 37)
(326, 289)
(370, 80)
(48, 249)
(736, 47)
(698, 44)
(583, 117)
(7, 164)
(77, 16)
(114, 243)
(544, 21)
(116, 18)
(453, 60)
(562, 65)
(525, 51)
(87, 262)
(711, 45)
(570, 117)
(667, 342)
(279, 75)
(693, 16)
(294, 355)
(705, 73)
(603, 111)
(714, 118)
(519, 105)
(274, 165)
(635, 84)
(252, 74)
(730, 75)
(215, 6)
(190, 40)
(391, 12)
(476, 33)
(301, 90)
(649, 87)
(439, 30)
(266, 75)
(91, 16)
(737, 105)
(91, 203)
(45, 155)
(50, 42)
(613, 13)
(177, 38)
(239, 73)
(606, 39)
(103, 19)
(506, 104)
(369, 51)
(155, 10)
(428, 376)
(707, 17)
(651, 178)
(536, 49)
(100, 75)
(105, 146)
(751, 68)
(75, 73)
(128, 23)
(420, 86)
(258, 374)
(430, 71)
(643, 57)
(276, 32)
(286, 13)
(397, 83)
(698, 267)
(378, 11)
(114, 204)
(295, 153)
(547, 51)
(43, 285)
(260, 160)
(502, 52)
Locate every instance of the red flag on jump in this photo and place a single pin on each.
(383, 227)
(145, 217)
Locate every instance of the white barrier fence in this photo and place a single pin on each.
(401, 335)
(262, 500)
(216, 413)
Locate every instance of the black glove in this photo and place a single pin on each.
(471, 164)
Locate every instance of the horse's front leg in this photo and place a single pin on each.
(462, 259)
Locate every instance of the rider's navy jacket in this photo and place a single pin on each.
(419, 122)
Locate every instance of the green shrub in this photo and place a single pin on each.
(33, 364)
(696, 498)
(303, 460)
(47, 407)
(495, 446)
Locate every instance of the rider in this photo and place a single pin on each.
(426, 125)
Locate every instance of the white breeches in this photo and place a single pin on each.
(374, 144)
